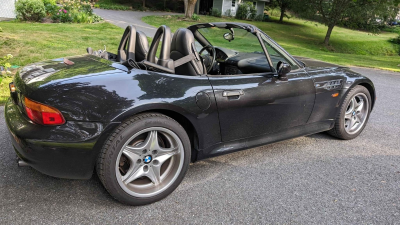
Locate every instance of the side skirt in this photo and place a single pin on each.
(237, 145)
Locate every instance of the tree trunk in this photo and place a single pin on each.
(282, 14)
(144, 4)
(185, 4)
(190, 8)
(328, 33)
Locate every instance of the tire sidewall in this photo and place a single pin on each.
(116, 144)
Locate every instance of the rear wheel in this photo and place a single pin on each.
(353, 115)
(145, 159)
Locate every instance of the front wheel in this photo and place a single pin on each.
(145, 159)
(353, 115)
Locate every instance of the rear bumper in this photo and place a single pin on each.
(67, 151)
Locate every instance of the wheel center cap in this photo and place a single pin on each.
(354, 113)
(147, 159)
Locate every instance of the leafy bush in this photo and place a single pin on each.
(76, 11)
(49, 2)
(51, 9)
(5, 66)
(31, 10)
(216, 12)
(195, 17)
(63, 16)
(259, 17)
(228, 13)
(246, 10)
(396, 40)
(252, 11)
(242, 12)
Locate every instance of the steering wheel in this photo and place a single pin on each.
(213, 52)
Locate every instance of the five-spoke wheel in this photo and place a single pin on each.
(149, 162)
(353, 114)
(145, 159)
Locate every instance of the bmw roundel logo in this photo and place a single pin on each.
(354, 113)
(147, 159)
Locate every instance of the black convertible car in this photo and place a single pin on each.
(139, 117)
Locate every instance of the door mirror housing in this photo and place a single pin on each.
(283, 69)
(228, 36)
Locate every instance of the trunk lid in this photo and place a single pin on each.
(34, 75)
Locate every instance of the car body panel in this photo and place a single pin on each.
(266, 106)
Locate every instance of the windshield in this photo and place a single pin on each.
(243, 41)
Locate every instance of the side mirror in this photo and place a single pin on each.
(283, 69)
(228, 36)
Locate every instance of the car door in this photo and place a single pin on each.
(251, 105)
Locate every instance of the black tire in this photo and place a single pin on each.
(339, 130)
(106, 163)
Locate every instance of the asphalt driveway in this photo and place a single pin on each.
(309, 180)
(125, 18)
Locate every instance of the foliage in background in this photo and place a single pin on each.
(30, 10)
(216, 12)
(49, 2)
(354, 13)
(137, 5)
(228, 13)
(246, 10)
(283, 6)
(76, 11)
(5, 66)
(195, 17)
(110, 4)
(259, 17)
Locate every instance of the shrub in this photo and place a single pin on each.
(216, 12)
(31, 10)
(252, 11)
(246, 10)
(242, 12)
(51, 9)
(195, 17)
(1, 30)
(49, 2)
(76, 5)
(62, 16)
(5, 66)
(259, 17)
(228, 13)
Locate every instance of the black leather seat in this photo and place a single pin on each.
(142, 46)
(183, 45)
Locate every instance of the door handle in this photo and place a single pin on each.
(232, 93)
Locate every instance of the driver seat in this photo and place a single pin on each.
(182, 47)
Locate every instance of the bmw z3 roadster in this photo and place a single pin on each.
(140, 116)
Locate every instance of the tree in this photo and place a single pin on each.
(283, 5)
(351, 12)
(189, 8)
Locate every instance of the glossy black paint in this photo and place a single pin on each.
(96, 95)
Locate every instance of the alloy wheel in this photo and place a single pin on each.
(149, 162)
(356, 113)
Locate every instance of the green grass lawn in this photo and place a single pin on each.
(33, 42)
(301, 38)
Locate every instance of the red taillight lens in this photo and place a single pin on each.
(43, 114)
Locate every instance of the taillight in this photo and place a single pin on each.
(43, 114)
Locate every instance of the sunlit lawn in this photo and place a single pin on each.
(301, 38)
